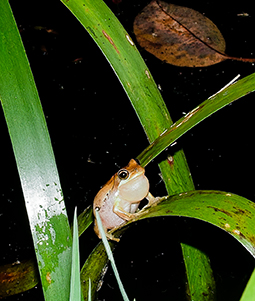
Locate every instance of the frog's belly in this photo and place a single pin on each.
(110, 219)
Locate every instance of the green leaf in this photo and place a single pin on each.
(18, 277)
(24, 275)
(75, 289)
(94, 269)
(35, 161)
(230, 212)
(195, 289)
(110, 256)
(139, 85)
(205, 109)
(85, 219)
(249, 292)
(126, 61)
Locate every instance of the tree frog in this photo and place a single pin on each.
(118, 200)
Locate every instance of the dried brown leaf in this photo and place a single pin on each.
(180, 36)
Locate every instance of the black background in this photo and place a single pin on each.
(94, 131)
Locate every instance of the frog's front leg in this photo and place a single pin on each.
(122, 212)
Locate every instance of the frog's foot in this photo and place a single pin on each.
(111, 236)
(108, 234)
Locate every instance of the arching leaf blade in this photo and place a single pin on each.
(205, 109)
(230, 212)
(126, 61)
(35, 162)
(139, 85)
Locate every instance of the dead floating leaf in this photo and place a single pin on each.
(180, 36)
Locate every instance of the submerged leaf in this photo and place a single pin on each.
(18, 277)
(180, 36)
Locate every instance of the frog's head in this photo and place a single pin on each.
(133, 184)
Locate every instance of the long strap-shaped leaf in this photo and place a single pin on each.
(137, 81)
(232, 213)
(35, 161)
(228, 211)
(24, 276)
(143, 93)
(208, 107)
(179, 183)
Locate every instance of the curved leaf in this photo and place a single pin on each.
(208, 107)
(142, 91)
(126, 61)
(35, 162)
(230, 212)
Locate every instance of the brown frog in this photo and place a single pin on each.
(118, 200)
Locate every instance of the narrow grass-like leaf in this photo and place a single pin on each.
(205, 109)
(89, 293)
(75, 289)
(85, 219)
(35, 161)
(110, 256)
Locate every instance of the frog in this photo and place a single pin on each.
(118, 200)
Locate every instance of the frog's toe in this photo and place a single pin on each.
(111, 237)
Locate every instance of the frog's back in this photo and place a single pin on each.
(104, 201)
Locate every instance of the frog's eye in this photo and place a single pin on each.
(123, 174)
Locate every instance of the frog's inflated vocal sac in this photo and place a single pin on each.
(118, 200)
